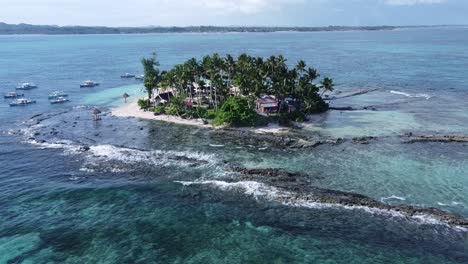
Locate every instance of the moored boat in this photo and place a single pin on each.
(56, 94)
(12, 95)
(127, 75)
(88, 84)
(26, 86)
(59, 100)
(140, 77)
(22, 102)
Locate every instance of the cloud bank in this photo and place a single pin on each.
(413, 2)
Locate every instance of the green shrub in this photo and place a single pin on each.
(143, 103)
(174, 110)
(297, 116)
(235, 112)
(160, 109)
(210, 114)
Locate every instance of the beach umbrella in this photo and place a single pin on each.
(96, 113)
(125, 96)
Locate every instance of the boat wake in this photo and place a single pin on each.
(420, 95)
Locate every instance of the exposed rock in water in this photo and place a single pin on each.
(298, 188)
(363, 140)
(290, 140)
(435, 138)
(361, 92)
(84, 148)
(343, 108)
(34, 116)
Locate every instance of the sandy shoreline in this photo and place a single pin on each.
(132, 109)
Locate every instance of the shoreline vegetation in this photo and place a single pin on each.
(232, 92)
(12, 29)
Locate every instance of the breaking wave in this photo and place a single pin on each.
(262, 191)
(420, 95)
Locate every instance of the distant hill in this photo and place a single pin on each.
(12, 29)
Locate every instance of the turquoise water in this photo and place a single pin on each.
(122, 201)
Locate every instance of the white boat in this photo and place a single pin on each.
(22, 102)
(88, 84)
(59, 100)
(26, 86)
(127, 75)
(12, 95)
(56, 94)
(140, 77)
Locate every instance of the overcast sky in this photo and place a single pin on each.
(235, 12)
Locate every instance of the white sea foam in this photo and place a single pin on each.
(85, 169)
(270, 193)
(216, 146)
(393, 197)
(154, 157)
(420, 95)
(66, 145)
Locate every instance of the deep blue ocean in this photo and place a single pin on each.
(152, 192)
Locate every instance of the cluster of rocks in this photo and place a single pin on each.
(298, 189)
(290, 140)
(411, 138)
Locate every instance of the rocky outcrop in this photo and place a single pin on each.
(290, 140)
(410, 138)
(298, 188)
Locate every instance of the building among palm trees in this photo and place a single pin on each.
(267, 104)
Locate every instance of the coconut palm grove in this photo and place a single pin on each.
(242, 91)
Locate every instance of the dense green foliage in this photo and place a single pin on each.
(235, 112)
(253, 77)
(143, 103)
(226, 89)
(152, 74)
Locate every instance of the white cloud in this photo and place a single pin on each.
(413, 2)
(244, 6)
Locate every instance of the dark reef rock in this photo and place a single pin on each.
(435, 138)
(298, 188)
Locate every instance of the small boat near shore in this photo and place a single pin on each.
(12, 95)
(57, 94)
(89, 84)
(22, 102)
(127, 75)
(26, 86)
(59, 100)
(140, 77)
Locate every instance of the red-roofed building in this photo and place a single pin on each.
(267, 104)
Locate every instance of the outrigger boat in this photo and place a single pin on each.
(59, 100)
(26, 86)
(57, 94)
(140, 77)
(88, 84)
(127, 75)
(22, 102)
(12, 95)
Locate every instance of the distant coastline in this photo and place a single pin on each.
(28, 29)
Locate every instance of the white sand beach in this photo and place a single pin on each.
(132, 110)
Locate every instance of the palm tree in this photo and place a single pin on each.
(301, 65)
(152, 74)
(327, 85)
(125, 96)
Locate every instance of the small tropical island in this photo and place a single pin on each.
(225, 91)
